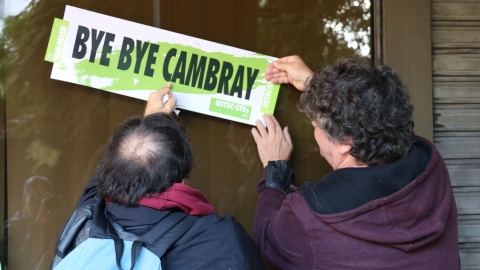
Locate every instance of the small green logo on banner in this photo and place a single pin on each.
(57, 39)
(269, 99)
(230, 108)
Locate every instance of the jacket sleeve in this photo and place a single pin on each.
(277, 231)
(76, 230)
(247, 255)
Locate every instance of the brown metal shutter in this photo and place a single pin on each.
(456, 102)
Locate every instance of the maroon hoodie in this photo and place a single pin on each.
(396, 216)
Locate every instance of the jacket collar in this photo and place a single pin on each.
(346, 189)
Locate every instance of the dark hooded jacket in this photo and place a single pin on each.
(396, 216)
(213, 242)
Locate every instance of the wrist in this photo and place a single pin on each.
(273, 160)
(280, 175)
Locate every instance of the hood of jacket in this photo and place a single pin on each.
(404, 204)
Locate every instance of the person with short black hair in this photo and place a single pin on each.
(138, 154)
(388, 204)
(140, 186)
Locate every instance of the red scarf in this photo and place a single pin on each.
(190, 200)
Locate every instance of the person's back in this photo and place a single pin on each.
(361, 218)
(213, 242)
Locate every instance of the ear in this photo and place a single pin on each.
(344, 148)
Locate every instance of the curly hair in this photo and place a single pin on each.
(144, 156)
(368, 104)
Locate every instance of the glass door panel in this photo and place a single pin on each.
(54, 132)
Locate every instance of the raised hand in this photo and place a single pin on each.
(290, 69)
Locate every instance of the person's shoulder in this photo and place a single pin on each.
(216, 243)
(226, 228)
(222, 225)
(217, 224)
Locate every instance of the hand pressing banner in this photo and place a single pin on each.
(132, 59)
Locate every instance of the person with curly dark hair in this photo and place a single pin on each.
(388, 204)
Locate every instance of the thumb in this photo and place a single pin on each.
(281, 65)
(165, 90)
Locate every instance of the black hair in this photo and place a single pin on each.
(368, 104)
(144, 156)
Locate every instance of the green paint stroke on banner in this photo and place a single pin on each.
(187, 66)
(230, 108)
(57, 40)
(269, 99)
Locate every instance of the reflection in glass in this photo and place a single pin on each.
(356, 32)
(38, 212)
(57, 131)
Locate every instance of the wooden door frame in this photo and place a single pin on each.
(402, 40)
